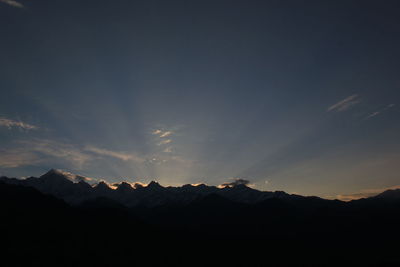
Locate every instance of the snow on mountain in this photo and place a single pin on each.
(67, 175)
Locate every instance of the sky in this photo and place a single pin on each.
(299, 96)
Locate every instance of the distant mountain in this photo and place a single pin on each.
(75, 189)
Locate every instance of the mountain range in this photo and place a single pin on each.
(75, 189)
(62, 219)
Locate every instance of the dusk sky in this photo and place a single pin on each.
(299, 96)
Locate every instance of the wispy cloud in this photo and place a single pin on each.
(161, 133)
(365, 193)
(4, 122)
(67, 152)
(15, 158)
(12, 3)
(134, 185)
(164, 142)
(115, 154)
(345, 103)
(38, 151)
(373, 114)
(235, 182)
(41, 151)
(163, 137)
(166, 134)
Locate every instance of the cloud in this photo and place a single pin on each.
(12, 3)
(162, 133)
(134, 185)
(163, 137)
(17, 157)
(345, 103)
(373, 114)
(37, 151)
(16, 124)
(164, 142)
(67, 152)
(237, 181)
(114, 154)
(165, 134)
(137, 185)
(365, 193)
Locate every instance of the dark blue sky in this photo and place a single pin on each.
(301, 96)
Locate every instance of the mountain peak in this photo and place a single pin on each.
(154, 184)
(55, 174)
(52, 172)
(60, 174)
(124, 187)
(102, 185)
(240, 186)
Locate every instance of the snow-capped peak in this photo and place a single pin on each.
(67, 175)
